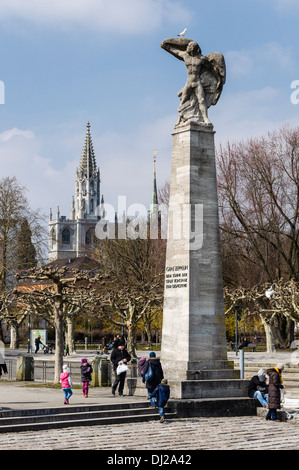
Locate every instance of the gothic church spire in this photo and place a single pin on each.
(88, 161)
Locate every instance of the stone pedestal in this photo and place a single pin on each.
(101, 375)
(25, 368)
(193, 333)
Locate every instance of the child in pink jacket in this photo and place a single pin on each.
(66, 384)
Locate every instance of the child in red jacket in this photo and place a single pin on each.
(66, 384)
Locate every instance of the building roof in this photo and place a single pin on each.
(81, 263)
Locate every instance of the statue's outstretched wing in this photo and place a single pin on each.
(214, 79)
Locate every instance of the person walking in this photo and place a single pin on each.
(86, 371)
(66, 383)
(275, 385)
(258, 388)
(161, 394)
(119, 356)
(3, 367)
(37, 343)
(151, 383)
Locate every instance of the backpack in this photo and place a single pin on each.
(149, 375)
(141, 366)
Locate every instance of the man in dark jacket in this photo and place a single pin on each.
(118, 356)
(3, 368)
(151, 384)
(37, 343)
(275, 385)
(258, 388)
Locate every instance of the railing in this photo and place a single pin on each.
(44, 371)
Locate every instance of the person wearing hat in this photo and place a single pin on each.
(258, 388)
(151, 383)
(161, 394)
(66, 383)
(275, 385)
(86, 371)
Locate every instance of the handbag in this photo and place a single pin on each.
(122, 368)
(149, 375)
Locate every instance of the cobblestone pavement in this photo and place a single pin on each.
(235, 433)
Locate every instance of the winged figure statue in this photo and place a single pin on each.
(205, 80)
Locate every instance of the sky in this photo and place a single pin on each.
(65, 62)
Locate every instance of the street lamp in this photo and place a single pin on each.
(29, 325)
(236, 328)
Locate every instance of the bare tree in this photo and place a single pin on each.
(57, 294)
(136, 279)
(14, 210)
(259, 206)
(270, 303)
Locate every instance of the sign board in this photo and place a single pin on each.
(34, 334)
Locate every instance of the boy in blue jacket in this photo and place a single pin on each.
(161, 393)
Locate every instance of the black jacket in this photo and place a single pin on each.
(255, 384)
(4, 368)
(86, 371)
(157, 371)
(118, 355)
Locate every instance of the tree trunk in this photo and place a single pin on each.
(270, 337)
(147, 326)
(69, 336)
(131, 330)
(14, 336)
(58, 345)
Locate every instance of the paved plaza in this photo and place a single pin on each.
(233, 433)
(236, 433)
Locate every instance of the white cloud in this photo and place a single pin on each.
(125, 161)
(20, 157)
(285, 4)
(244, 62)
(247, 114)
(119, 16)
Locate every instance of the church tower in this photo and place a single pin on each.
(73, 237)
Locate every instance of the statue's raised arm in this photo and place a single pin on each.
(205, 80)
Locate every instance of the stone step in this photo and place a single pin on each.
(212, 388)
(287, 368)
(204, 374)
(264, 365)
(214, 407)
(69, 416)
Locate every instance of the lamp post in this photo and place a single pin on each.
(29, 325)
(236, 328)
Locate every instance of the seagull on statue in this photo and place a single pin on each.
(182, 34)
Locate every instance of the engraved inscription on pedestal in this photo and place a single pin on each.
(176, 277)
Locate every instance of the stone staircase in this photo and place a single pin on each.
(69, 416)
(290, 375)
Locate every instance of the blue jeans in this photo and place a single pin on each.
(262, 398)
(67, 393)
(152, 400)
(272, 414)
(161, 411)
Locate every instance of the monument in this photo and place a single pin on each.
(193, 349)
